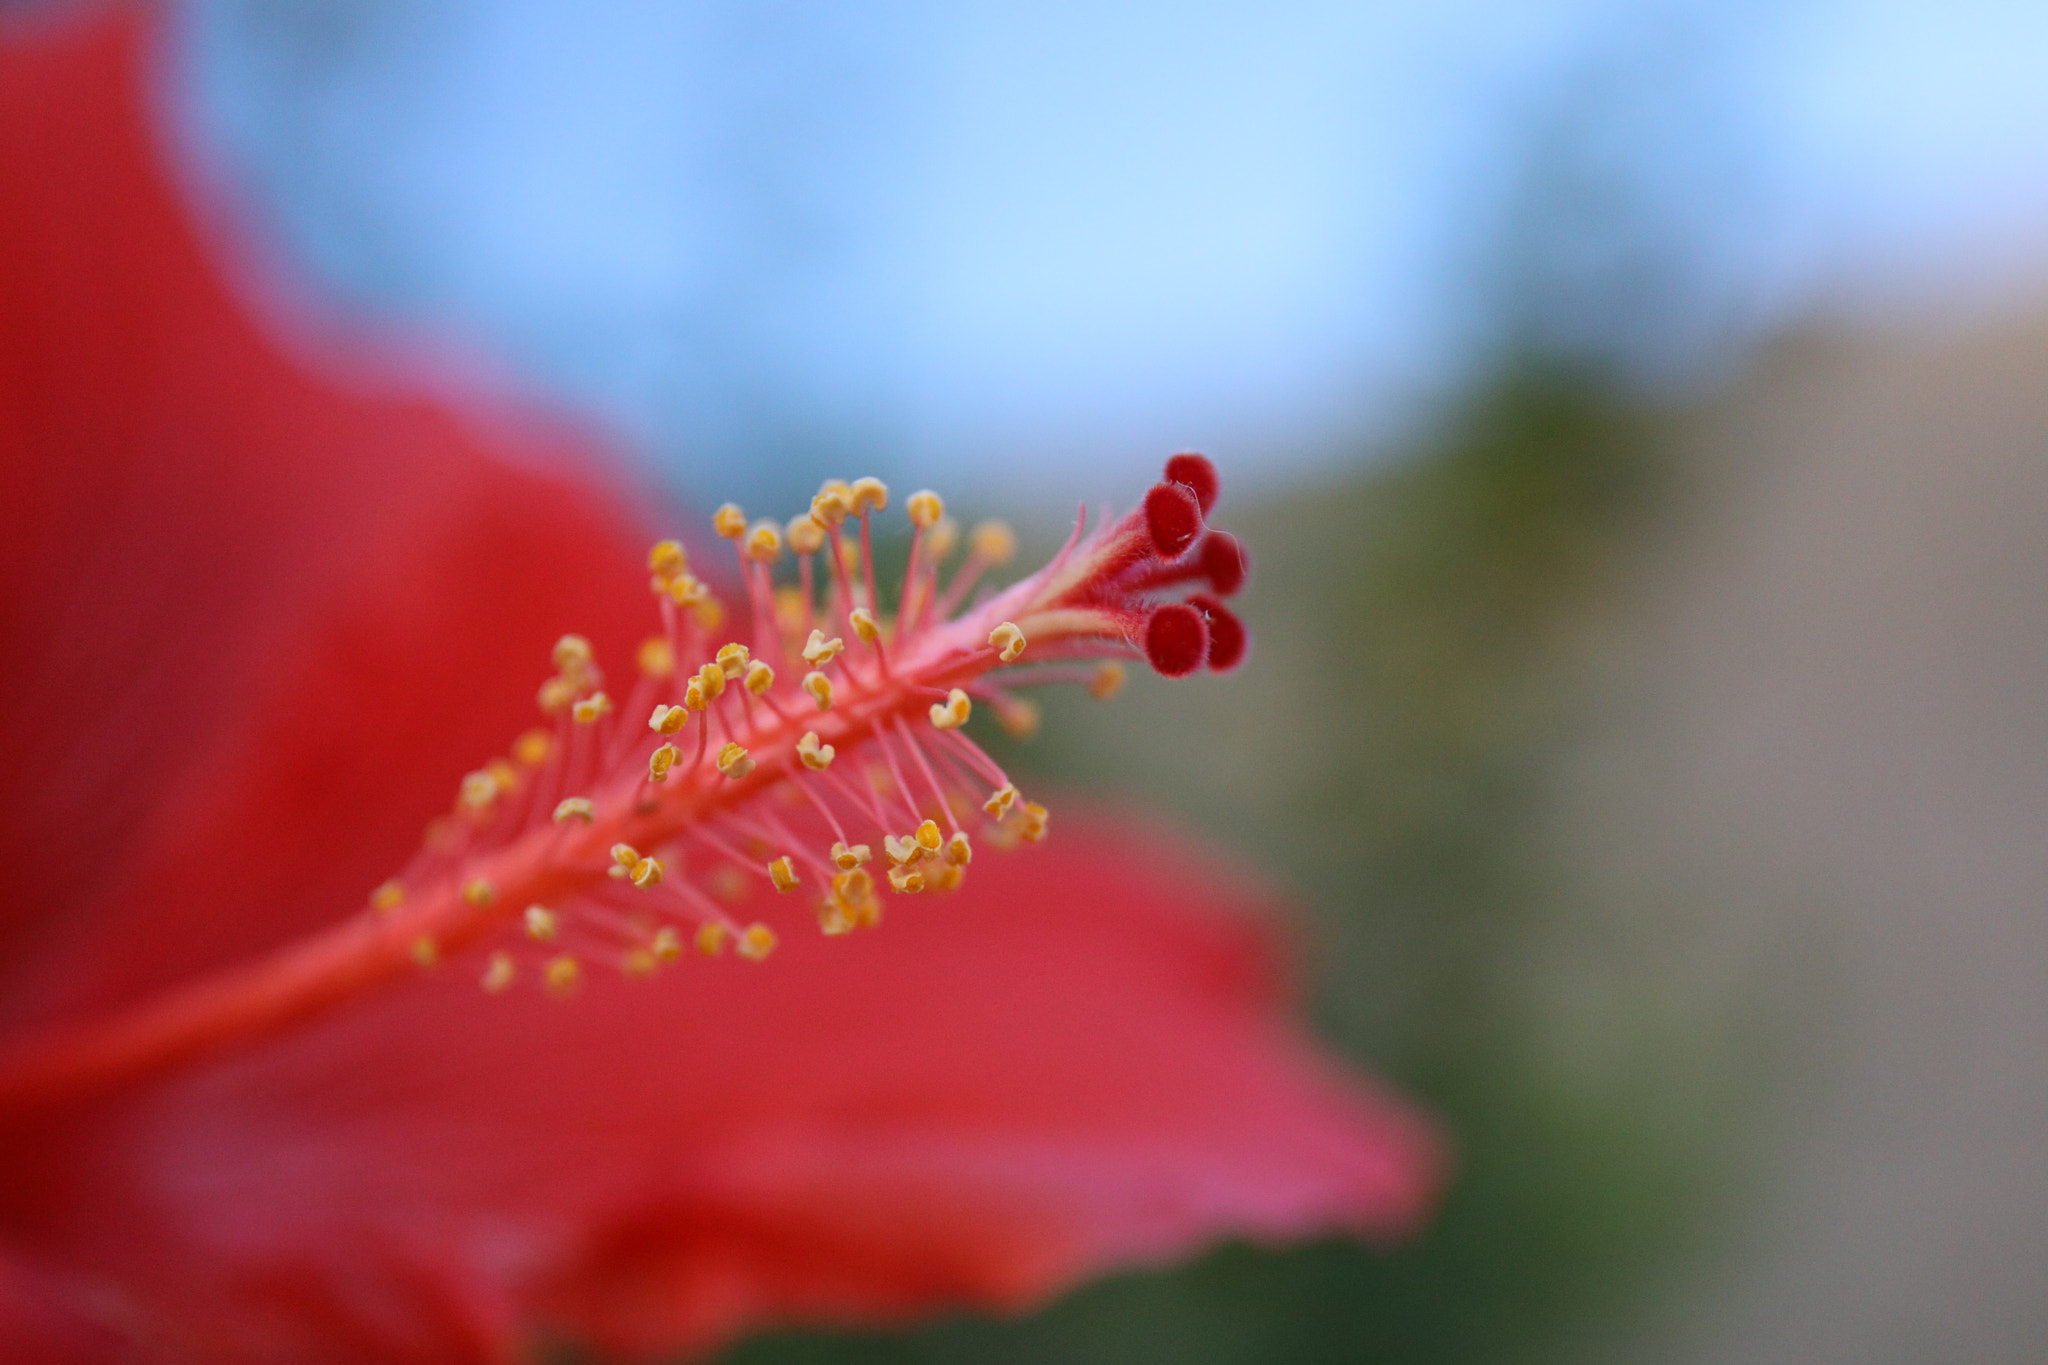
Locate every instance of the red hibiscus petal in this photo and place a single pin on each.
(267, 623)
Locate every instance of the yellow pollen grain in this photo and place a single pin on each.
(925, 508)
(711, 939)
(959, 852)
(646, 872)
(562, 975)
(693, 695)
(711, 678)
(806, 537)
(928, 837)
(820, 688)
(660, 761)
(575, 808)
(655, 658)
(756, 942)
(952, 713)
(734, 762)
(815, 756)
(625, 855)
(902, 849)
(863, 622)
(533, 747)
(479, 892)
(850, 857)
(666, 945)
(729, 521)
(1000, 800)
(869, 495)
(667, 558)
(732, 659)
(782, 872)
(499, 973)
(819, 651)
(590, 708)
(831, 507)
(907, 880)
(764, 542)
(425, 952)
(759, 678)
(1107, 682)
(667, 720)
(687, 590)
(993, 541)
(1008, 641)
(388, 896)
(541, 924)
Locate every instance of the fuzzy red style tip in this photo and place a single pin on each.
(1229, 641)
(1225, 562)
(1176, 640)
(1173, 514)
(1198, 475)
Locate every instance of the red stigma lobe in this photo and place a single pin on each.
(1176, 639)
(1196, 474)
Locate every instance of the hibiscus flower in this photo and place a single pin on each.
(258, 626)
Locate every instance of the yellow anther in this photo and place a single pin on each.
(1107, 682)
(941, 539)
(764, 543)
(555, 695)
(541, 924)
(819, 651)
(952, 713)
(687, 590)
(1008, 641)
(849, 857)
(863, 622)
(572, 654)
(574, 808)
(947, 878)
(805, 535)
(666, 945)
(711, 939)
(760, 678)
(625, 855)
(902, 849)
(783, 873)
(479, 892)
(834, 919)
(638, 963)
(425, 952)
(646, 872)
(853, 886)
(1000, 800)
(479, 791)
(869, 495)
(733, 762)
(503, 773)
(729, 521)
(590, 708)
(655, 658)
(1036, 817)
(1019, 716)
(928, 837)
(667, 559)
(732, 659)
(993, 541)
(711, 677)
(562, 975)
(709, 611)
(756, 942)
(817, 757)
(820, 688)
(499, 973)
(959, 852)
(693, 695)
(533, 747)
(831, 507)
(925, 508)
(908, 880)
(667, 720)
(660, 761)
(388, 897)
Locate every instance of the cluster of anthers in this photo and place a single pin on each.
(821, 754)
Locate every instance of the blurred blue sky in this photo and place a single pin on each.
(990, 243)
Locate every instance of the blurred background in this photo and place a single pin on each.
(1637, 411)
